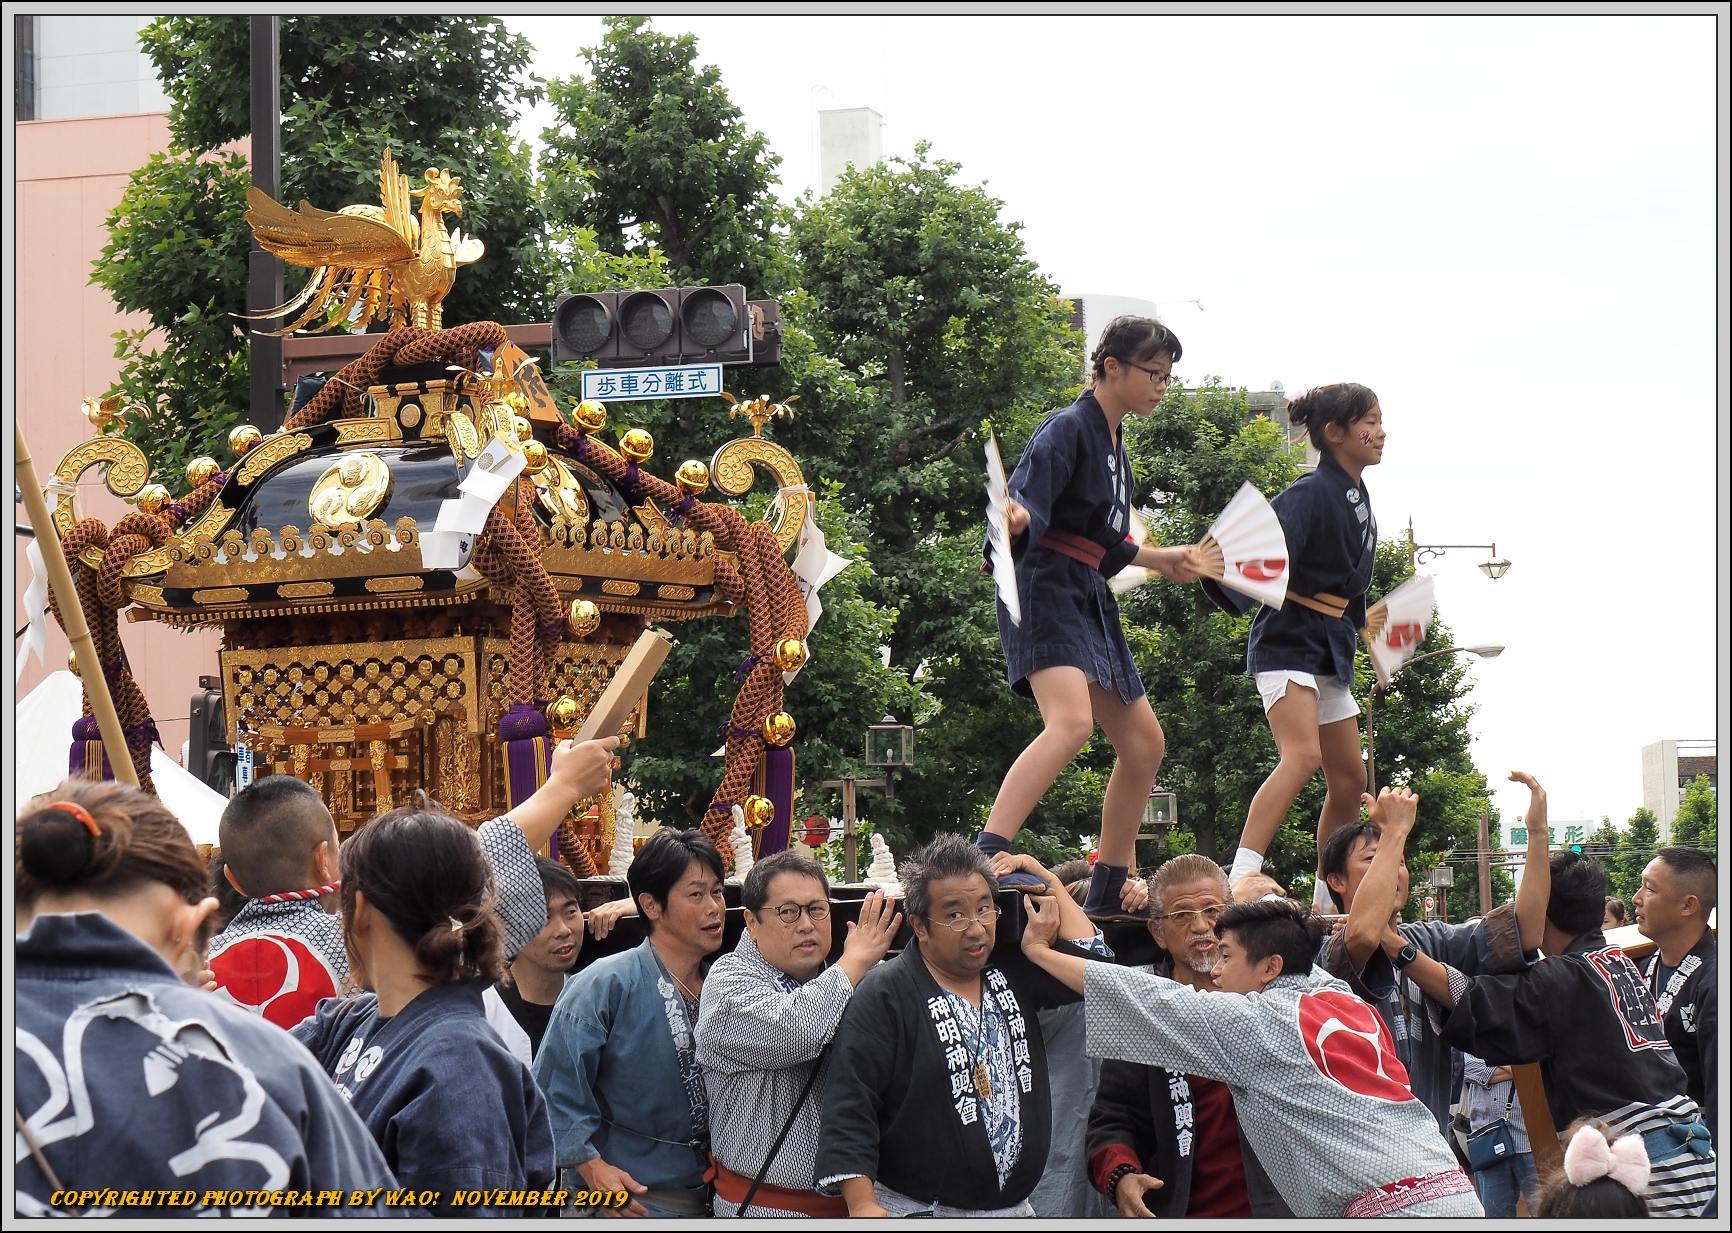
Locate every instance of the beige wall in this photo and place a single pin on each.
(69, 175)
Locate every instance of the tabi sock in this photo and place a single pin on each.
(1244, 862)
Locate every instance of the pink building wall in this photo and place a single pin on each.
(69, 174)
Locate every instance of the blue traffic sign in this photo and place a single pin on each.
(639, 384)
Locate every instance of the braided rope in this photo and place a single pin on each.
(760, 577)
(314, 892)
(102, 594)
(410, 345)
(573, 851)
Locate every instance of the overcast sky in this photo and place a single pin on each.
(1505, 226)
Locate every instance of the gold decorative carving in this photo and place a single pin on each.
(127, 471)
(267, 454)
(675, 592)
(304, 590)
(460, 432)
(143, 593)
(459, 767)
(373, 428)
(220, 595)
(350, 490)
(731, 473)
(619, 586)
(396, 582)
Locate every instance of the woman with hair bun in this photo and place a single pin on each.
(1069, 520)
(414, 1056)
(1301, 654)
(127, 1078)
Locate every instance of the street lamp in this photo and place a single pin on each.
(1493, 567)
(889, 744)
(1489, 651)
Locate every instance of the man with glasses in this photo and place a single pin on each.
(768, 1012)
(937, 1101)
(1162, 1142)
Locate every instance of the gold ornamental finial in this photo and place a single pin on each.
(760, 410)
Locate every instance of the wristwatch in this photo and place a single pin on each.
(1406, 955)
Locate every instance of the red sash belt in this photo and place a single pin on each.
(1075, 547)
(1409, 1191)
(732, 1188)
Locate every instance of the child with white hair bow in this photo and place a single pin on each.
(1602, 1179)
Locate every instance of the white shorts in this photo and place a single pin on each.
(1334, 700)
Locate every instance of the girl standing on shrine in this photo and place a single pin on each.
(1069, 519)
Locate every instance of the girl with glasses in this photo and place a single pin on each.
(1069, 519)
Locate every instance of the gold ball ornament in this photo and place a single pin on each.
(563, 713)
(760, 811)
(692, 477)
(243, 437)
(790, 654)
(152, 498)
(637, 445)
(779, 729)
(583, 618)
(591, 416)
(534, 457)
(523, 428)
(200, 470)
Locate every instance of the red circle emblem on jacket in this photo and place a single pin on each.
(278, 977)
(1349, 1042)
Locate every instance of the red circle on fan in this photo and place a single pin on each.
(1262, 571)
(1405, 635)
(278, 977)
(1349, 1042)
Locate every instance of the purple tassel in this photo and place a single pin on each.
(779, 787)
(523, 731)
(88, 759)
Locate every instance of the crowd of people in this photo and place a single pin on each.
(1273, 1063)
(401, 1022)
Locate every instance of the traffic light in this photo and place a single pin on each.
(667, 325)
(209, 756)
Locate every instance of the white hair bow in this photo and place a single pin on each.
(1590, 1156)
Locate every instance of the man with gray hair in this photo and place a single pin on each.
(937, 1100)
(769, 1009)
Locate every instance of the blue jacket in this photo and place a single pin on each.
(129, 1079)
(441, 1094)
(609, 1066)
(1331, 545)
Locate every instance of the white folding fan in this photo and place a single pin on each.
(1245, 549)
(998, 531)
(1396, 624)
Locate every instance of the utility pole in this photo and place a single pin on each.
(1485, 903)
(264, 271)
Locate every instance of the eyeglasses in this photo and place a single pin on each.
(1155, 375)
(789, 913)
(1190, 915)
(958, 922)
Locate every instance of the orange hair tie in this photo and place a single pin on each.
(81, 813)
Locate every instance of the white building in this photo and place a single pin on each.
(847, 136)
(69, 67)
(1668, 767)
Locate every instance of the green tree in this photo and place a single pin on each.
(843, 688)
(649, 149)
(1636, 848)
(440, 91)
(1697, 822)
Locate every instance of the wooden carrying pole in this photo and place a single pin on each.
(71, 615)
